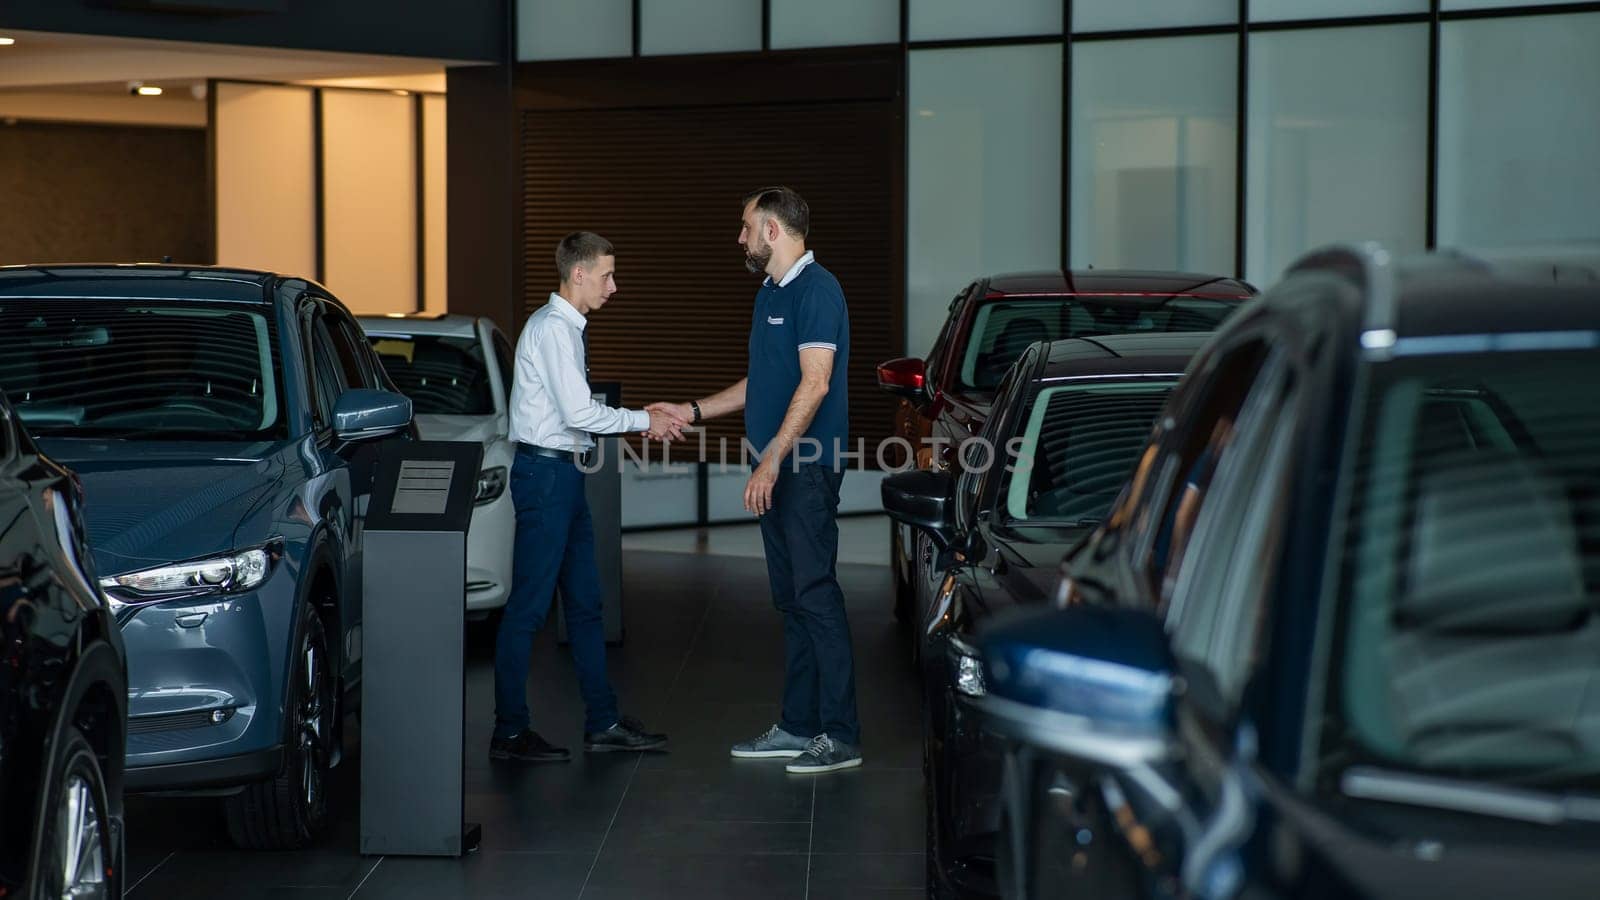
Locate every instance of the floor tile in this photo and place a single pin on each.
(870, 810)
(486, 875)
(699, 876)
(855, 874)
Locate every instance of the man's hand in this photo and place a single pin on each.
(683, 412)
(664, 426)
(758, 490)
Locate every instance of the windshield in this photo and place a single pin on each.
(142, 369)
(1471, 646)
(1078, 447)
(1002, 329)
(443, 375)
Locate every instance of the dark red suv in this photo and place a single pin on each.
(945, 398)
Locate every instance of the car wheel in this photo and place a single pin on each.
(291, 809)
(901, 570)
(76, 855)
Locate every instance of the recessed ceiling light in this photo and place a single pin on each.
(6, 42)
(149, 90)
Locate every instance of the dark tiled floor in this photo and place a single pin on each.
(703, 661)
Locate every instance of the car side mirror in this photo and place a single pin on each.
(1097, 684)
(924, 500)
(363, 414)
(906, 377)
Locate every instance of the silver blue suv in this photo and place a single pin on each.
(224, 424)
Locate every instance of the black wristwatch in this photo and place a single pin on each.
(695, 405)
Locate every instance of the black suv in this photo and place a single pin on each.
(1068, 424)
(1341, 634)
(63, 688)
(945, 398)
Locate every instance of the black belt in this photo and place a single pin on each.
(571, 456)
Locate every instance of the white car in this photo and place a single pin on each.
(457, 371)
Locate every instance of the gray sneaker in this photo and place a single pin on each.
(824, 754)
(774, 744)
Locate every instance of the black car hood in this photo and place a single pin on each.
(148, 503)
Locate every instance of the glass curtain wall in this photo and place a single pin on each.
(1229, 136)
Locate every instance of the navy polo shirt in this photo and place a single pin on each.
(809, 311)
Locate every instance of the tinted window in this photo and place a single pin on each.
(1220, 597)
(1471, 572)
(503, 359)
(1200, 442)
(142, 369)
(326, 374)
(443, 375)
(1002, 329)
(1078, 447)
(349, 349)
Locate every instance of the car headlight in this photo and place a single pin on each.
(968, 668)
(491, 484)
(241, 570)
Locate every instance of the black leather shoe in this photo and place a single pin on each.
(626, 736)
(527, 746)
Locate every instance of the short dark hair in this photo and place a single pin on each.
(580, 248)
(786, 206)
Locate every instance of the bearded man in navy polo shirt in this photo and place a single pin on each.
(796, 412)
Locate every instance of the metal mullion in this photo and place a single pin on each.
(1431, 191)
(1241, 138)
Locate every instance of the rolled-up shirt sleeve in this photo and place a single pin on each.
(555, 358)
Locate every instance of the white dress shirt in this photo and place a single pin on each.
(551, 405)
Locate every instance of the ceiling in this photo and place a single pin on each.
(46, 61)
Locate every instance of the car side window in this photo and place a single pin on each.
(941, 349)
(325, 373)
(987, 452)
(1191, 461)
(503, 357)
(349, 360)
(1220, 595)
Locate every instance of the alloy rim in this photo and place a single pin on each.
(80, 848)
(312, 727)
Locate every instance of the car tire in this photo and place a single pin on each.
(901, 569)
(290, 810)
(76, 851)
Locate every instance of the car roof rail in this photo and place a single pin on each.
(1372, 269)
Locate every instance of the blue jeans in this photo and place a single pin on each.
(801, 536)
(554, 545)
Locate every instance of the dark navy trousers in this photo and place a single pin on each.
(554, 545)
(801, 534)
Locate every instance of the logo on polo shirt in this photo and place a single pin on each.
(774, 320)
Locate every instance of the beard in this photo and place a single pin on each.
(757, 257)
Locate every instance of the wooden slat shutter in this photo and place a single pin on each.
(664, 185)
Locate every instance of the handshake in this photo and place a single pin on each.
(667, 420)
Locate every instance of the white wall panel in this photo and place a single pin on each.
(435, 211)
(266, 203)
(370, 200)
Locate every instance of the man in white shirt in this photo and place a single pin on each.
(553, 418)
